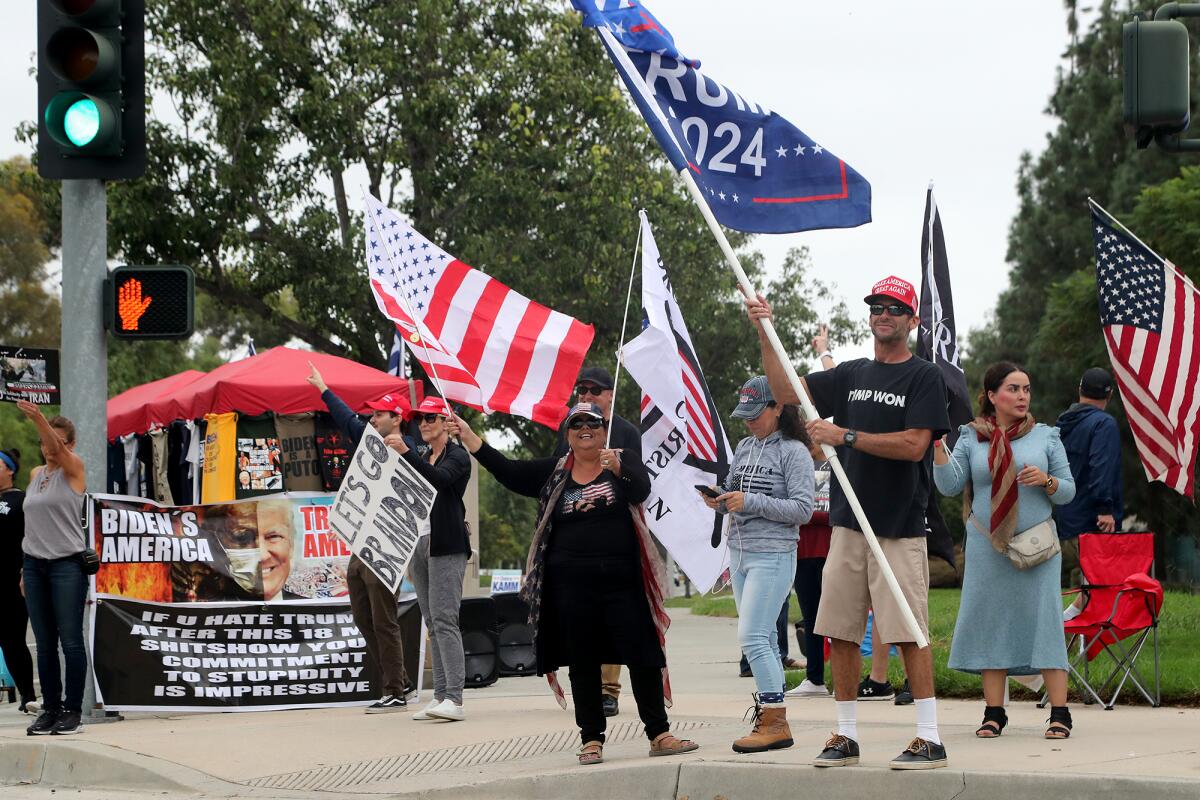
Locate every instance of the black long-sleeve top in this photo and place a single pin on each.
(12, 531)
(447, 519)
(527, 477)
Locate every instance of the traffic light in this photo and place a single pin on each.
(150, 302)
(1156, 78)
(91, 89)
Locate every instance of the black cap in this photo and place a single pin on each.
(597, 375)
(1096, 384)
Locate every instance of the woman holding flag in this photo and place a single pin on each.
(594, 580)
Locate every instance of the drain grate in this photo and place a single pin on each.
(360, 773)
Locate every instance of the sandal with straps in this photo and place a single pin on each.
(667, 744)
(994, 721)
(591, 753)
(1059, 726)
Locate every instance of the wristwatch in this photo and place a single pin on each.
(849, 438)
(1049, 481)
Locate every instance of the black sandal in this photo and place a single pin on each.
(994, 720)
(1059, 726)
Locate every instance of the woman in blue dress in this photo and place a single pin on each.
(1012, 470)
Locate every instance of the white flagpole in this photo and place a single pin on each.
(621, 342)
(749, 291)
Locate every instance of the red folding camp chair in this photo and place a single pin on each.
(1120, 613)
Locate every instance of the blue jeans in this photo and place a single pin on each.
(55, 591)
(761, 582)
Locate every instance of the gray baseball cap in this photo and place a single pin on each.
(753, 398)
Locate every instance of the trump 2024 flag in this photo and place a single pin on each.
(683, 443)
(489, 347)
(758, 172)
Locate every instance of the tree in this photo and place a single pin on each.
(29, 313)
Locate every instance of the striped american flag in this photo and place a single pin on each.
(488, 346)
(1149, 310)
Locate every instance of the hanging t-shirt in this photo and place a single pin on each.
(177, 434)
(145, 455)
(334, 450)
(133, 478)
(159, 456)
(873, 397)
(220, 458)
(298, 443)
(116, 468)
(259, 461)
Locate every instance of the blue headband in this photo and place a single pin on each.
(12, 465)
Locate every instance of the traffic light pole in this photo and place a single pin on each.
(84, 360)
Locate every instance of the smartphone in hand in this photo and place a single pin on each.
(707, 491)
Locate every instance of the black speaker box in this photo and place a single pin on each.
(516, 652)
(481, 644)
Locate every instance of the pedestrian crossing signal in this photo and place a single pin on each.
(150, 302)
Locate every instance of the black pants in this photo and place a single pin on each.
(808, 592)
(781, 628)
(14, 621)
(589, 708)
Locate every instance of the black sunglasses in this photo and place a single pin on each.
(592, 389)
(430, 417)
(895, 309)
(580, 423)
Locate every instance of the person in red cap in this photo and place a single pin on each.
(372, 603)
(439, 560)
(886, 412)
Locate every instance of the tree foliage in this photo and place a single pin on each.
(1047, 318)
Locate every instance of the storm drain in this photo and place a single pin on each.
(359, 773)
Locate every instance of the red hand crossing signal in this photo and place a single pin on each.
(150, 302)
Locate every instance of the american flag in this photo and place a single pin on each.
(1149, 311)
(487, 346)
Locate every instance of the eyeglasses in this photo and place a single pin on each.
(430, 417)
(894, 309)
(592, 389)
(578, 424)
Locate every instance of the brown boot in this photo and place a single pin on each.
(770, 732)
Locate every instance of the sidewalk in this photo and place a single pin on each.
(516, 742)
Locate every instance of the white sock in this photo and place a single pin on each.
(927, 720)
(848, 719)
(1072, 611)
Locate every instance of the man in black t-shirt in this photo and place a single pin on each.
(595, 385)
(886, 412)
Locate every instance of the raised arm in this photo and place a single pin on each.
(444, 475)
(55, 448)
(343, 416)
(759, 310)
(522, 477)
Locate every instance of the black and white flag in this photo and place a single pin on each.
(937, 340)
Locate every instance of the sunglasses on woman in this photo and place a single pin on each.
(589, 424)
(894, 309)
(584, 391)
(431, 418)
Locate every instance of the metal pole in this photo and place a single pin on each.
(84, 360)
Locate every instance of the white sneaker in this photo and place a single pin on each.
(807, 689)
(448, 710)
(424, 712)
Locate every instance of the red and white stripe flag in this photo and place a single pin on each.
(490, 347)
(1149, 312)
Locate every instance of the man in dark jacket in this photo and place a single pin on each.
(1093, 446)
(371, 601)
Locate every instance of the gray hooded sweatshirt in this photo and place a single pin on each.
(777, 476)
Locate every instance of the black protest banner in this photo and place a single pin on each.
(382, 508)
(203, 656)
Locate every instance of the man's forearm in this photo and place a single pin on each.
(777, 379)
(900, 446)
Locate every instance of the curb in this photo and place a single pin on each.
(84, 765)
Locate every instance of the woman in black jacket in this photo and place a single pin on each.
(440, 559)
(594, 580)
(14, 619)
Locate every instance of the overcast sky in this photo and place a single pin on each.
(904, 92)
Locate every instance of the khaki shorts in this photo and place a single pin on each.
(852, 583)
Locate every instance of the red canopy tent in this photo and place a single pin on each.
(273, 380)
(131, 410)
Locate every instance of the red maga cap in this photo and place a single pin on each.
(388, 402)
(895, 288)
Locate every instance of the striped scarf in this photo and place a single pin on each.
(654, 571)
(1004, 476)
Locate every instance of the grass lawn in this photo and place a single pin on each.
(1179, 647)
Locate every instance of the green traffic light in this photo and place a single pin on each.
(81, 123)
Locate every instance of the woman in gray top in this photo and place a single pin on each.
(52, 574)
(769, 494)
